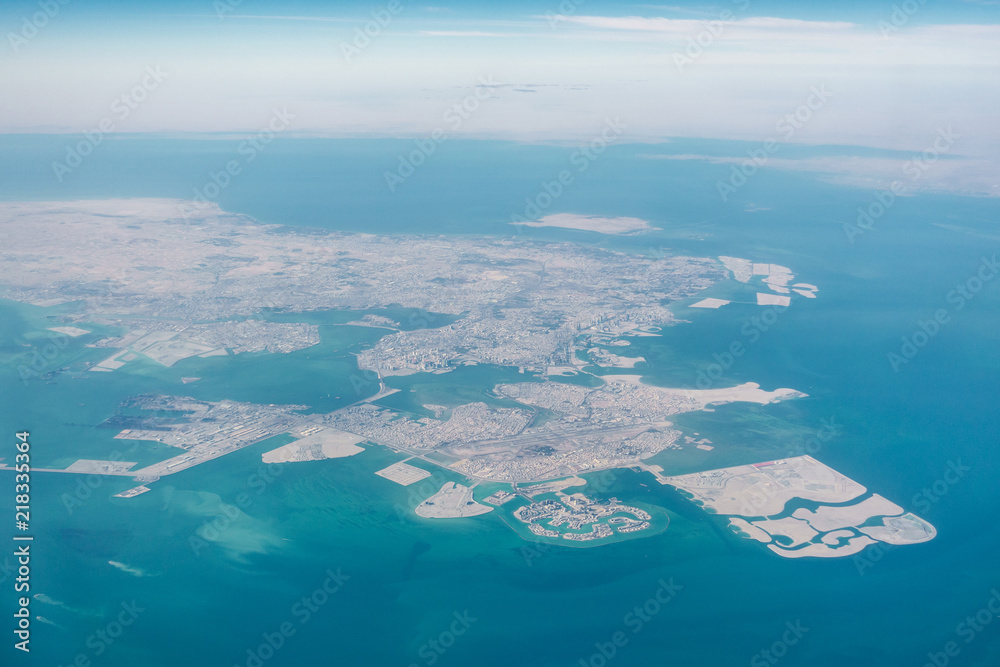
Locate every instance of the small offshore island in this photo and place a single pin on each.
(546, 518)
(560, 314)
(452, 501)
(755, 496)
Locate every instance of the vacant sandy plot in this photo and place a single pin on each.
(403, 474)
(831, 518)
(452, 501)
(69, 331)
(330, 443)
(710, 302)
(772, 299)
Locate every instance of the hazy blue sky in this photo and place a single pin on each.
(890, 74)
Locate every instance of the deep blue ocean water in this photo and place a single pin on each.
(208, 604)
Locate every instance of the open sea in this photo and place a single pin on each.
(402, 590)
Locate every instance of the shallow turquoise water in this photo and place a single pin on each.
(209, 603)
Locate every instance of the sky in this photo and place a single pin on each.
(885, 75)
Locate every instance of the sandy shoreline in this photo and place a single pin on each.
(748, 392)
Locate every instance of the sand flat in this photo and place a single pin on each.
(820, 550)
(69, 331)
(403, 474)
(830, 518)
(591, 223)
(748, 392)
(764, 299)
(329, 443)
(710, 302)
(754, 532)
(742, 269)
(799, 532)
(762, 489)
(834, 536)
(93, 466)
(906, 529)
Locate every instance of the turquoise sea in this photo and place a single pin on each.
(215, 561)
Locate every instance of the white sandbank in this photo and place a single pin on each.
(709, 303)
(330, 443)
(819, 550)
(830, 518)
(590, 223)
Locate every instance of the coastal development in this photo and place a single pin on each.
(452, 501)
(522, 303)
(549, 309)
(206, 430)
(559, 313)
(754, 497)
(568, 514)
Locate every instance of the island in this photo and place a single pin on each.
(567, 515)
(754, 498)
(452, 501)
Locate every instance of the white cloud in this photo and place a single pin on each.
(890, 92)
(688, 26)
